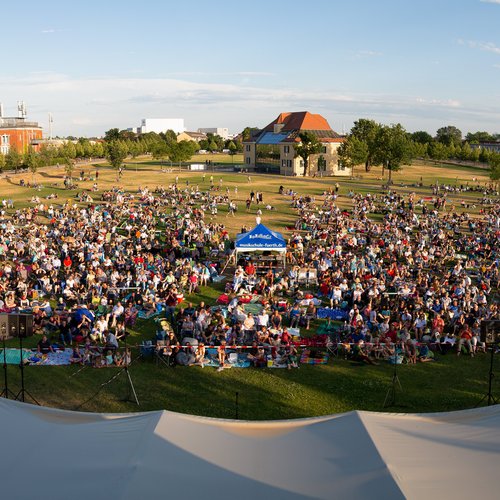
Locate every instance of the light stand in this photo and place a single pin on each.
(131, 389)
(390, 397)
(23, 392)
(489, 395)
(6, 391)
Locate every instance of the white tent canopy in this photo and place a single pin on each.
(59, 454)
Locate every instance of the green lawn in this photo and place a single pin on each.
(447, 384)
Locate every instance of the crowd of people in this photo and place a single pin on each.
(409, 275)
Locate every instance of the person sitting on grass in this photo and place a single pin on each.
(44, 346)
(465, 339)
(76, 357)
(259, 359)
(221, 355)
(290, 357)
(410, 351)
(424, 353)
(123, 359)
(199, 355)
(360, 354)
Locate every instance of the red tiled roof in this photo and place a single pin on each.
(299, 120)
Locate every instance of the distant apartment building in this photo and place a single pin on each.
(272, 149)
(16, 132)
(161, 125)
(222, 132)
(493, 147)
(191, 136)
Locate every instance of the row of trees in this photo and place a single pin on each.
(213, 143)
(372, 144)
(117, 146)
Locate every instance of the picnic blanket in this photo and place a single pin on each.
(336, 314)
(12, 356)
(253, 307)
(241, 358)
(57, 358)
(320, 359)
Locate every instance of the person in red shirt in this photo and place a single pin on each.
(67, 262)
(250, 268)
(438, 324)
(465, 338)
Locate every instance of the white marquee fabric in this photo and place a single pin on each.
(49, 453)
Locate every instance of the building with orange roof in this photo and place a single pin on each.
(272, 148)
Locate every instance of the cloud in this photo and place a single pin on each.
(446, 103)
(485, 46)
(91, 105)
(368, 53)
(52, 30)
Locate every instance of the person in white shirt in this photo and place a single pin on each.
(263, 318)
(116, 312)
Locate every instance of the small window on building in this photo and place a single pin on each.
(248, 160)
(286, 149)
(247, 147)
(323, 149)
(321, 164)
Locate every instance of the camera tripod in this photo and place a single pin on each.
(390, 397)
(6, 391)
(124, 369)
(490, 399)
(23, 392)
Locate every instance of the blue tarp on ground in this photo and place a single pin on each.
(260, 238)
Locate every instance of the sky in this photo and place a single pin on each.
(97, 64)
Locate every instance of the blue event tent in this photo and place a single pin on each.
(260, 239)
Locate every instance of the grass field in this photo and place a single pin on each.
(447, 384)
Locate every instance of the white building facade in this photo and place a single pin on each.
(220, 131)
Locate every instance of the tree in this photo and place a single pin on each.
(68, 150)
(32, 161)
(248, 132)
(116, 153)
(494, 166)
(12, 160)
(484, 155)
(212, 146)
(366, 131)
(160, 150)
(47, 154)
(182, 151)
(477, 137)
(394, 148)
(98, 150)
(438, 151)
(352, 152)
(308, 145)
(69, 167)
(169, 136)
(2, 162)
(233, 149)
(422, 137)
(449, 136)
(113, 134)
